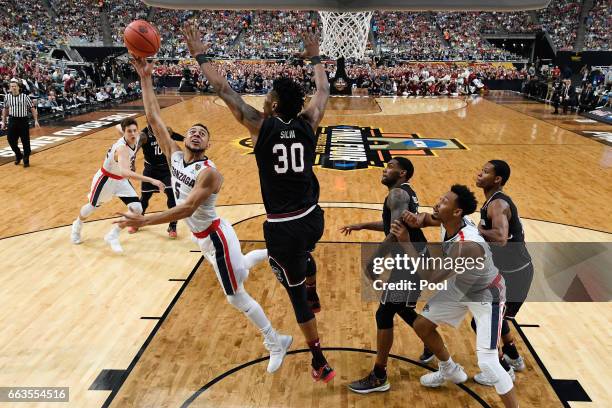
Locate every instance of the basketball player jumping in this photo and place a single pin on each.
(479, 289)
(113, 180)
(501, 225)
(196, 182)
(284, 141)
(396, 176)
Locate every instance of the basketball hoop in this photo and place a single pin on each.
(345, 34)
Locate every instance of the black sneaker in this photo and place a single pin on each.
(26, 162)
(369, 384)
(427, 356)
(17, 160)
(313, 302)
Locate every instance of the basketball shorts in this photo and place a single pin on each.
(161, 173)
(518, 284)
(289, 242)
(105, 186)
(221, 248)
(448, 307)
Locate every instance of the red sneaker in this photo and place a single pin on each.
(325, 373)
(132, 230)
(172, 233)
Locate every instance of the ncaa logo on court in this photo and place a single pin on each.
(346, 147)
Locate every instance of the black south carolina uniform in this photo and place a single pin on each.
(512, 260)
(156, 163)
(398, 301)
(285, 154)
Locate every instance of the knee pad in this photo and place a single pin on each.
(86, 210)
(505, 327)
(135, 207)
(241, 300)
(311, 266)
(488, 361)
(384, 317)
(297, 295)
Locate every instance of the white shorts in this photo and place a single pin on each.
(222, 249)
(447, 307)
(104, 187)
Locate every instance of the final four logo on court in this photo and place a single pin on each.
(355, 147)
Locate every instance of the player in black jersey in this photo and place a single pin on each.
(156, 167)
(284, 140)
(396, 176)
(500, 225)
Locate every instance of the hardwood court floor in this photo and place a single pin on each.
(79, 308)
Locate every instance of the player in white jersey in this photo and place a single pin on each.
(474, 285)
(196, 183)
(112, 180)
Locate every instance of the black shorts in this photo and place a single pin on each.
(517, 289)
(161, 173)
(289, 243)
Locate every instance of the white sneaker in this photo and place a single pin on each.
(278, 349)
(75, 233)
(489, 379)
(113, 240)
(516, 364)
(456, 375)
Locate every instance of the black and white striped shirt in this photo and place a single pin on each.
(19, 106)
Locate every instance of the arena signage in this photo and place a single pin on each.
(41, 142)
(346, 147)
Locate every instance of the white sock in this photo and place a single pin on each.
(447, 365)
(86, 210)
(254, 257)
(259, 319)
(114, 232)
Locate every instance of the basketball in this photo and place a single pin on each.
(141, 38)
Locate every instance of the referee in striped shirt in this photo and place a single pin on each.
(17, 107)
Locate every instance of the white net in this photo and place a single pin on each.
(345, 34)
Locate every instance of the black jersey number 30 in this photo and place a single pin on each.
(289, 158)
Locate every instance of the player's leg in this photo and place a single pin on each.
(170, 203)
(224, 253)
(99, 193)
(443, 307)
(125, 191)
(377, 380)
(408, 314)
(488, 317)
(311, 284)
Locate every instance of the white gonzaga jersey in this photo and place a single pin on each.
(475, 279)
(111, 165)
(184, 176)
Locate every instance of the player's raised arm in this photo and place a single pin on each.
(208, 182)
(247, 115)
(152, 110)
(314, 111)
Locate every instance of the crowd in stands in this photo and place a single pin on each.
(77, 19)
(561, 20)
(598, 35)
(122, 11)
(416, 79)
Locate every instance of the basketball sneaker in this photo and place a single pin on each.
(132, 230)
(324, 373)
(112, 239)
(75, 233)
(277, 346)
(489, 379)
(172, 232)
(427, 356)
(369, 384)
(517, 364)
(455, 374)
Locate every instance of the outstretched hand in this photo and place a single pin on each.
(130, 219)
(311, 44)
(193, 38)
(142, 66)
